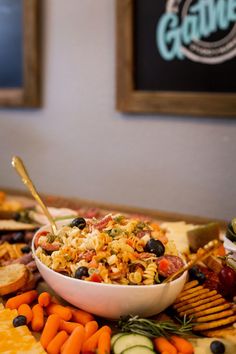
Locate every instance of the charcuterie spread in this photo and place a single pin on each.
(116, 249)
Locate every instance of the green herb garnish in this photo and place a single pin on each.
(51, 238)
(119, 218)
(152, 328)
(115, 232)
(141, 225)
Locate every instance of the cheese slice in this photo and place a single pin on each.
(16, 340)
(6, 318)
(19, 340)
(202, 345)
(177, 231)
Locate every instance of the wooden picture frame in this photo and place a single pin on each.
(130, 100)
(28, 95)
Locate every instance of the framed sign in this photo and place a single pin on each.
(19, 53)
(176, 57)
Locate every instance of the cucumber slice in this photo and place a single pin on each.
(131, 340)
(115, 337)
(138, 349)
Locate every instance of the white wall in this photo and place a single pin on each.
(78, 145)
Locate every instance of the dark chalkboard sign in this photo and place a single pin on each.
(19, 53)
(176, 56)
(11, 43)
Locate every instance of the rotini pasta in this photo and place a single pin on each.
(135, 277)
(149, 273)
(114, 250)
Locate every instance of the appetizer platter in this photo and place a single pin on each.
(107, 257)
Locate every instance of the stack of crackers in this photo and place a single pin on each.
(208, 309)
(10, 251)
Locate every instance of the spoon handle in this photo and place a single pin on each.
(18, 164)
(205, 252)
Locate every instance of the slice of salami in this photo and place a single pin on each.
(103, 223)
(168, 265)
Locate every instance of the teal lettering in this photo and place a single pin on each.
(168, 39)
(201, 9)
(205, 18)
(189, 29)
(221, 14)
(232, 10)
(212, 17)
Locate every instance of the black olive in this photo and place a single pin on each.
(217, 347)
(17, 237)
(161, 278)
(195, 273)
(200, 277)
(81, 272)
(19, 321)
(155, 246)
(25, 249)
(78, 222)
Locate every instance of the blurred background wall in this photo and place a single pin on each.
(78, 145)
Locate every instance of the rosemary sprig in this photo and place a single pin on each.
(152, 328)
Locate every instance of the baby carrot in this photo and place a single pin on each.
(80, 316)
(68, 326)
(26, 311)
(104, 343)
(182, 345)
(74, 343)
(91, 343)
(63, 346)
(62, 311)
(25, 298)
(44, 299)
(50, 330)
(163, 345)
(90, 328)
(37, 322)
(57, 342)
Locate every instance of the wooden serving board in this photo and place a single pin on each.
(77, 203)
(201, 344)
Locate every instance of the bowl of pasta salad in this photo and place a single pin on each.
(110, 267)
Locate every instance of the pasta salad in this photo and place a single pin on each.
(113, 250)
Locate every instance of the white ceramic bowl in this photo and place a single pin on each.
(111, 300)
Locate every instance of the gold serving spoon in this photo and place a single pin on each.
(204, 253)
(18, 164)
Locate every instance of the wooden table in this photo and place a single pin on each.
(76, 203)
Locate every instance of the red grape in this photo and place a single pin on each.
(227, 277)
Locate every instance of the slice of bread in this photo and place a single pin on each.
(12, 225)
(12, 278)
